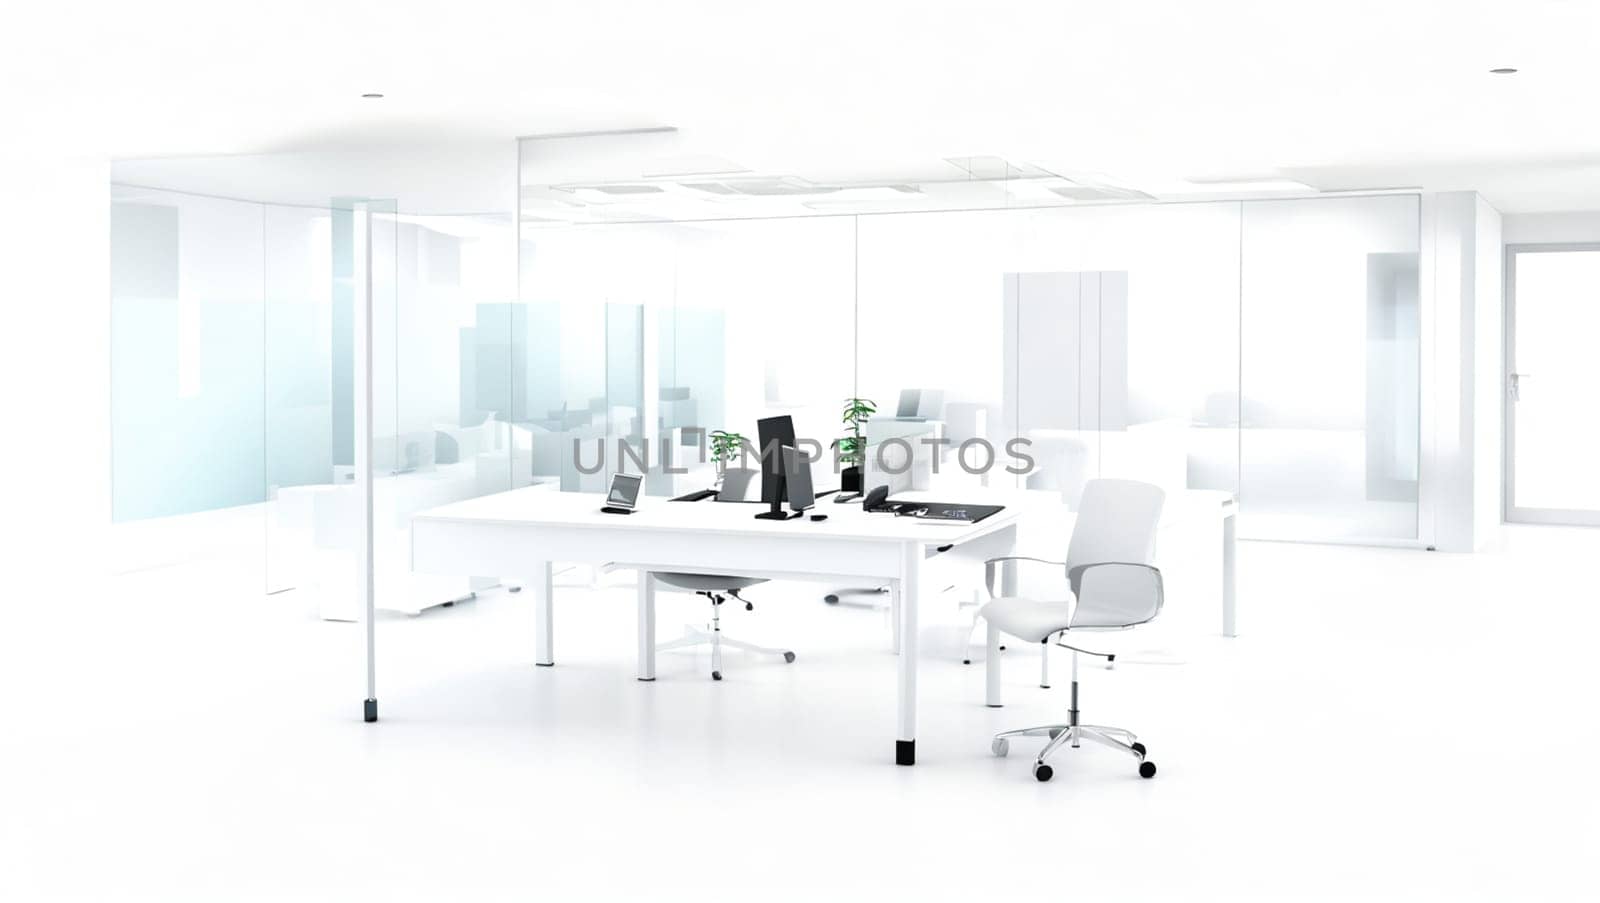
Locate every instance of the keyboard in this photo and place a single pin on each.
(696, 496)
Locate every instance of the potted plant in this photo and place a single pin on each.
(725, 447)
(853, 447)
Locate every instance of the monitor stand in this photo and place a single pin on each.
(776, 513)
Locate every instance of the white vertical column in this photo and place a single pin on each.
(647, 625)
(361, 247)
(991, 667)
(1230, 546)
(544, 623)
(909, 589)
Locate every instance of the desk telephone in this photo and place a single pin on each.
(878, 500)
(939, 512)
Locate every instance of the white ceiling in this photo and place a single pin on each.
(1338, 93)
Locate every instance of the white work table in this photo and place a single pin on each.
(522, 532)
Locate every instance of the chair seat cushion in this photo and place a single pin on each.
(1028, 619)
(707, 583)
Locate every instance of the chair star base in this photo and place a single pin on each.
(1072, 735)
(695, 636)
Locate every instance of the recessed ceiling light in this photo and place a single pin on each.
(376, 96)
(1503, 70)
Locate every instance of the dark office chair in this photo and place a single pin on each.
(718, 588)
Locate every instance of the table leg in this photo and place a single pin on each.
(909, 591)
(543, 616)
(894, 619)
(647, 626)
(1230, 624)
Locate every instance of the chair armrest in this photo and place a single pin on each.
(1116, 593)
(988, 568)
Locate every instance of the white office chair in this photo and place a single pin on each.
(718, 587)
(1111, 585)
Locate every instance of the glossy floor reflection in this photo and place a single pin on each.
(1391, 725)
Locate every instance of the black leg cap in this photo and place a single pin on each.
(905, 752)
(369, 711)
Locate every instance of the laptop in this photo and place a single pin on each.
(623, 495)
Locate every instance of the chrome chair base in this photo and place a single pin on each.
(695, 636)
(1073, 735)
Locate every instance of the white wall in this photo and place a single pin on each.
(55, 365)
(1461, 470)
(1488, 422)
(1545, 228)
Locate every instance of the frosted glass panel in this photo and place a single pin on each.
(1265, 348)
(315, 262)
(439, 292)
(298, 375)
(186, 327)
(561, 408)
(1330, 369)
(654, 334)
(931, 334)
(771, 305)
(1557, 435)
(1105, 338)
(1131, 313)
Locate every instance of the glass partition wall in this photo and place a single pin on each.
(235, 365)
(646, 338)
(187, 286)
(1264, 348)
(1330, 379)
(1104, 339)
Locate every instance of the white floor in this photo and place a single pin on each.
(1390, 725)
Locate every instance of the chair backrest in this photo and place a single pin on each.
(1117, 521)
(736, 484)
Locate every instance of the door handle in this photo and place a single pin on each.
(1514, 385)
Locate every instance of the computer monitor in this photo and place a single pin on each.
(773, 433)
(797, 478)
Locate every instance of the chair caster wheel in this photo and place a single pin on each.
(1137, 747)
(716, 675)
(966, 661)
(1147, 769)
(1002, 648)
(1000, 747)
(1042, 772)
(831, 599)
(788, 657)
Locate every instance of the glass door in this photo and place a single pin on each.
(1552, 374)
